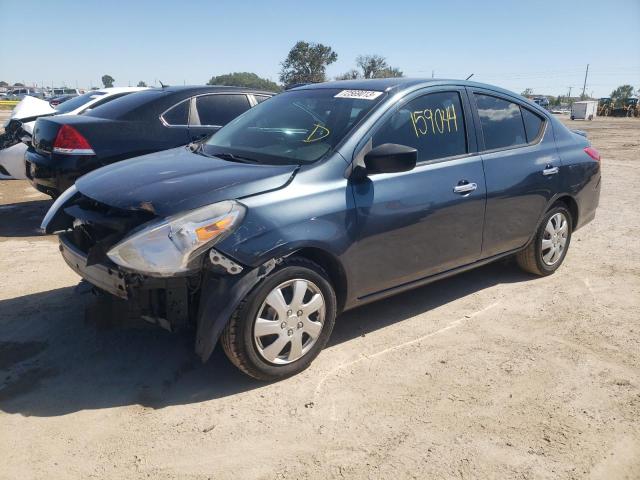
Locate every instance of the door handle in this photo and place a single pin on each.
(465, 188)
(549, 170)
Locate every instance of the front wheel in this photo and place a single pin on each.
(546, 252)
(282, 325)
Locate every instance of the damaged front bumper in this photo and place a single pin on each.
(204, 300)
(106, 278)
(131, 299)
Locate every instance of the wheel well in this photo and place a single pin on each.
(333, 268)
(572, 206)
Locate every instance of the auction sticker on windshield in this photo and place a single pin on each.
(361, 94)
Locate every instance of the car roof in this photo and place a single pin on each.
(398, 84)
(114, 90)
(195, 89)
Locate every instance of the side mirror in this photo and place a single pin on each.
(390, 158)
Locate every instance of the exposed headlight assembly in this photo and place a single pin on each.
(170, 246)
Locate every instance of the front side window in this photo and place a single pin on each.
(501, 122)
(216, 110)
(298, 126)
(432, 124)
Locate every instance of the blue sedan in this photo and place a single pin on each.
(324, 198)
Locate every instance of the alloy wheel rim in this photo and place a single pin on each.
(289, 321)
(554, 239)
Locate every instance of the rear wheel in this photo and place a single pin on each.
(282, 325)
(544, 255)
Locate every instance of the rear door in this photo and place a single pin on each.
(210, 112)
(415, 224)
(521, 167)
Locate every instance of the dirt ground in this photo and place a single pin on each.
(491, 374)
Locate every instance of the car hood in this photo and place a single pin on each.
(31, 107)
(178, 180)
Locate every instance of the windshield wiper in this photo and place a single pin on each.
(234, 158)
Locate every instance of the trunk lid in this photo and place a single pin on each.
(46, 129)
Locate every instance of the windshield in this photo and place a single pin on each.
(77, 102)
(299, 126)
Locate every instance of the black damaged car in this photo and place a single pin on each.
(66, 147)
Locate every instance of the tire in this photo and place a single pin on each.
(251, 353)
(535, 258)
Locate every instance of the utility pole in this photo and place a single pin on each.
(569, 94)
(585, 81)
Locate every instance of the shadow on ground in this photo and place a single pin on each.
(52, 363)
(23, 219)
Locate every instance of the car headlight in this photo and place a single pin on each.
(170, 246)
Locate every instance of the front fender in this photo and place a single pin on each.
(220, 295)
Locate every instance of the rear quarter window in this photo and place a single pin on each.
(533, 124)
(178, 114)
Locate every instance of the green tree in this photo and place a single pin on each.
(389, 72)
(3, 83)
(18, 84)
(527, 92)
(245, 79)
(350, 75)
(107, 81)
(622, 93)
(307, 63)
(371, 65)
(142, 83)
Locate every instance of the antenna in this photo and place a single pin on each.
(162, 84)
(469, 77)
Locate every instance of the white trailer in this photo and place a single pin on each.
(584, 110)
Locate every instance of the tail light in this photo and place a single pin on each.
(593, 153)
(71, 142)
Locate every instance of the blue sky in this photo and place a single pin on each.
(544, 45)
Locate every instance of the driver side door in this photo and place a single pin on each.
(415, 224)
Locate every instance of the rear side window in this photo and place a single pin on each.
(219, 109)
(532, 124)
(178, 114)
(261, 98)
(501, 122)
(432, 124)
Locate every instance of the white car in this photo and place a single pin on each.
(19, 128)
